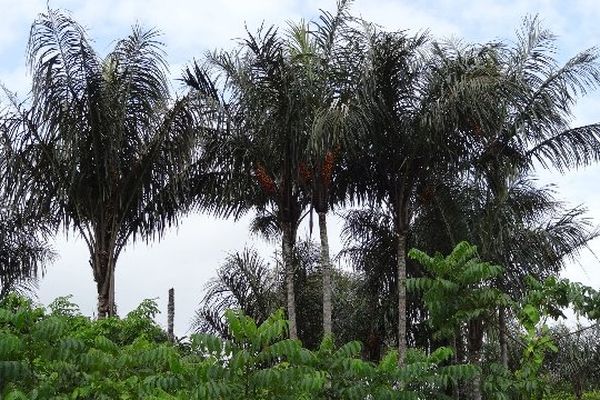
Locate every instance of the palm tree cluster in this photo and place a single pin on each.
(421, 142)
(429, 142)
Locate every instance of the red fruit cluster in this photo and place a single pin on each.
(327, 169)
(264, 179)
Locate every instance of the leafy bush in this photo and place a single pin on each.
(595, 395)
(64, 355)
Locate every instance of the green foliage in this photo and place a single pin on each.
(545, 300)
(458, 289)
(576, 367)
(595, 395)
(63, 355)
(459, 292)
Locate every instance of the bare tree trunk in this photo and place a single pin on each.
(401, 271)
(502, 336)
(326, 270)
(171, 315)
(288, 261)
(103, 267)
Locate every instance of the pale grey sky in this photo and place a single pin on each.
(187, 257)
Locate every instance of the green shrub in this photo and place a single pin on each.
(64, 355)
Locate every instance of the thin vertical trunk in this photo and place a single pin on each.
(326, 270)
(401, 273)
(502, 336)
(476, 380)
(171, 315)
(457, 361)
(475, 344)
(112, 309)
(288, 261)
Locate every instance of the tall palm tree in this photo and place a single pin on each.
(492, 200)
(418, 100)
(532, 130)
(326, 60)
(102, 145)
(254, 156)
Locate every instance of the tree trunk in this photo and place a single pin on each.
(476, 381)
(103, 266)
(326, 270)
(502, 336)
(99, 264)
(112, 310)
(475, 333)
(288, 239)
(171, 315)
(401, 273)
(457, 361)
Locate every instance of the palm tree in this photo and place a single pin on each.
(254, 155)
(245, 282)
(418, 102)
(284, 101)
(285, 110)
(532, 130)
(24, 251)
(102, 146)
(326, 60)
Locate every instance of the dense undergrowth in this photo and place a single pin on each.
(60, 354)
(57, 353)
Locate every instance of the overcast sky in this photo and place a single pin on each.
(187, 257)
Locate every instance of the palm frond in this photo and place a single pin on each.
(244, 282)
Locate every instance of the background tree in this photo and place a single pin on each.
(417, 100)
(24, 253)
(244, 282)
(459, 297)
(247, 282)
(577, 364)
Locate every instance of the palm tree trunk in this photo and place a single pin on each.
(457, 342)
(401, 273)
(100, 265)
(288, 239)
(502, 336)
(112, 309)
(475, 339)
(326, 270)
(103, 266)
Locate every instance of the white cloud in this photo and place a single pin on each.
(396, 15)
